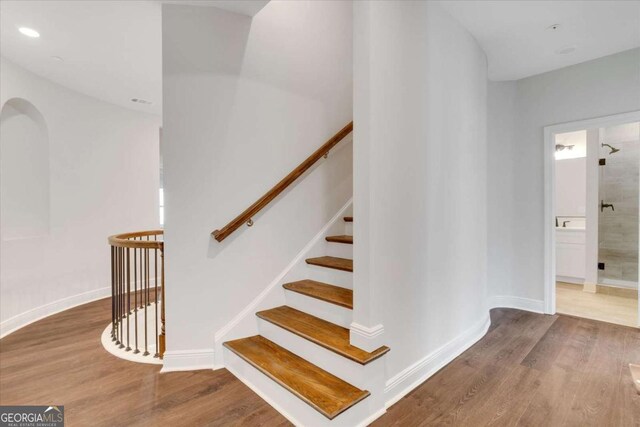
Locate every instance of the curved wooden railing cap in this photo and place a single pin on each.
(126, 240)
(245, 217)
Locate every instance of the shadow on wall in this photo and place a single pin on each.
(24, 171)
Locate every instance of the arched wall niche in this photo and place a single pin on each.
(24, 171)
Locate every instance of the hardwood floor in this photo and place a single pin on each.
(532, 370)
(529, 370)
(60, 360)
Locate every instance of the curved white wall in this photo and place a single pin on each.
(420, 193)
(100, 167)
(24, 171)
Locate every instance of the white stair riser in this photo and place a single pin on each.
(348, 228)
(287, 403)
(331, 276)
(340, 250)
(330, 312)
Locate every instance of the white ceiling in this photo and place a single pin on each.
(111, 50)
(515, 38)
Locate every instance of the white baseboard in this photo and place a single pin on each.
(527, 304)
(374, 417)
(23, 319)
(619, 283)
(574, 280)
(401, 384)
(368, 339)
(188, 360)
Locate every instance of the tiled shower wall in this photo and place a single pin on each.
(618, 230)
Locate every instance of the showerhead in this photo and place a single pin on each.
(613, 149)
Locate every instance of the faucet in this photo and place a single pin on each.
(564, 224)
(606, 205)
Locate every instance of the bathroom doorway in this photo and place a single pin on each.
(592, 192)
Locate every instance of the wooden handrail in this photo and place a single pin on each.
(135, 240)
(245, 217)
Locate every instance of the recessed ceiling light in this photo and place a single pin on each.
(141, 101)
(29, 32)
(565, 50)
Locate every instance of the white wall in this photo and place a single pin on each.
(420, 174)
(501, 188)
(571, 186)
(602, 87)
(245, 101)
(102, 180)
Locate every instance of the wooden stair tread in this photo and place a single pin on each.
(325, 392)
(348, 219)
(340, 239)
(322, 291)
(332, 262)
(326, 334)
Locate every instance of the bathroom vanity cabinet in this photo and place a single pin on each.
(571, 254)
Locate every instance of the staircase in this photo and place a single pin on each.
(303, 347)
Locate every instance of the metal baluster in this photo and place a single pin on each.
(146, 294)
(120, 298)
(113, 317)
(163, 338)
(146, 288)
(135, 297)
(116, 295)
(123, 286)
(128, 314)
(140, 277)
(141, 291)
(155, 266)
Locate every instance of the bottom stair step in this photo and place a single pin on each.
(325, 392)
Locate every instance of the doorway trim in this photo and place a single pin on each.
(549, 195)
